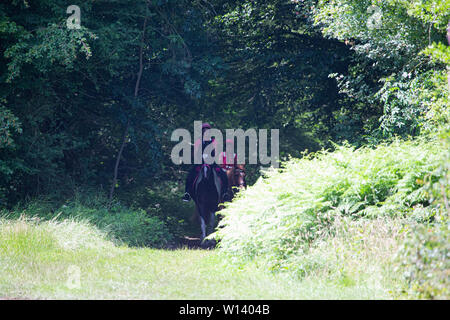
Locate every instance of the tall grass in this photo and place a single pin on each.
(134, 227)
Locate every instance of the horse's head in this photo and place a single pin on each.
(239, 177)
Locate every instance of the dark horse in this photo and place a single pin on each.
(206, 197)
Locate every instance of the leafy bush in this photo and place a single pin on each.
(424, 256)
(424, 259)
(283, 217)
(164, 202)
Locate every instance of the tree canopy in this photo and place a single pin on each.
(95, 106)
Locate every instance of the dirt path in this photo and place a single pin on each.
(193, 243)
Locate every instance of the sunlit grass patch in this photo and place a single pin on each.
(41, 259)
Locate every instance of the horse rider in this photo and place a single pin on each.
(189, 187)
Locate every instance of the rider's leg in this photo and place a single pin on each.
(189, 182)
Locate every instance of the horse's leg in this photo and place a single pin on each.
(203, 227)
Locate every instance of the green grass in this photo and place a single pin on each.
(37, 259)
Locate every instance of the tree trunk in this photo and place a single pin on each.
(116, 166)
(125, 133)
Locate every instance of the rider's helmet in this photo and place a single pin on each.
(206, 125)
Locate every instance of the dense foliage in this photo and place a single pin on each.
(283, 219)
(351, 213)
(86, 116)
(95, 106)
